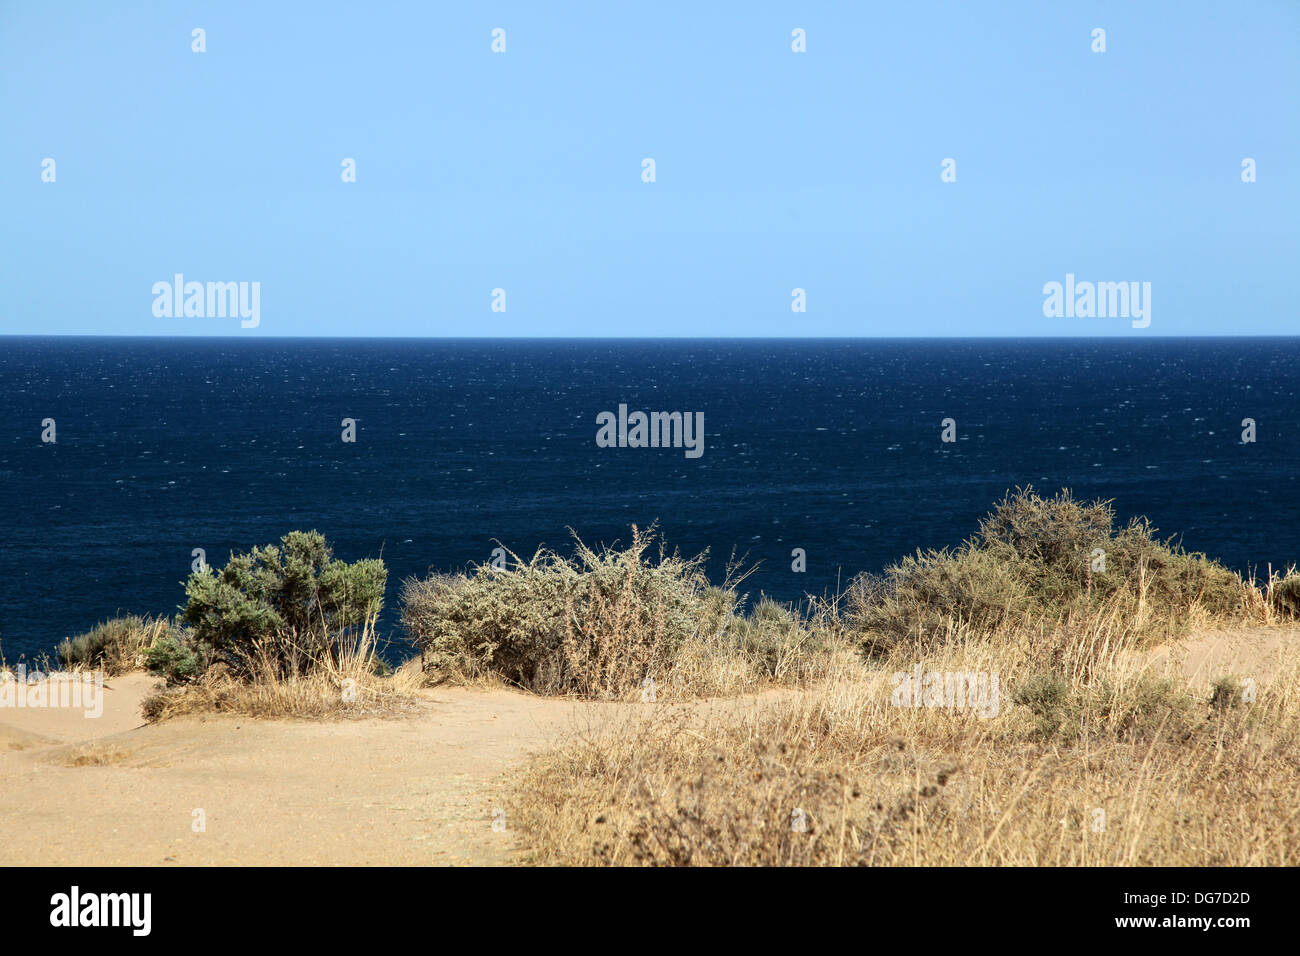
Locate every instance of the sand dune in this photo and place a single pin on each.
(418, 790)
(1255, 652)
(415, 790)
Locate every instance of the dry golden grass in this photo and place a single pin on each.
(1279, 599)
(1100, 762)
(313, 697)
(92, 756)
(720, 668)
(346, 684)
(1078, 751)
(116, 646)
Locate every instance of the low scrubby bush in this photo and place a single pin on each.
(115, 646)
(597, 624)
(1036, 558)
(776, 639)
(283, 631)
(1134, 707)
(1284, 595)
(176, 657)
(284, 610)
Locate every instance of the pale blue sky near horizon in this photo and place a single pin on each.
(775, 170)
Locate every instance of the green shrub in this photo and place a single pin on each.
(285, 609)
(921, 595)
(594, 625)
(1047, 697)
(1033, 559)
(175, 658)
(1140, 708)
(115, 646)
(1052, 544)
(1226, 692)
(773, 637)
(1129, 709)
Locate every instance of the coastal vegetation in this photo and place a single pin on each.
(863, 748)
(608, 625)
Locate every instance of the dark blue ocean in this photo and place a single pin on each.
(833, 446)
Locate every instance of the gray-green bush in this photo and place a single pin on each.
(1035, 558)
(115, 646)
(594, 625)
(1284, 595)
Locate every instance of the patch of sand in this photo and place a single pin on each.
(417, 790)
(1256, 652)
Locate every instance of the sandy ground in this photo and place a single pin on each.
(416, 790)
(1258, 652)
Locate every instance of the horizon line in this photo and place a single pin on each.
(235, 336)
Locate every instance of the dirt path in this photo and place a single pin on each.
(417, 790)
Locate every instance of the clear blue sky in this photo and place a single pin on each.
(775, 170)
